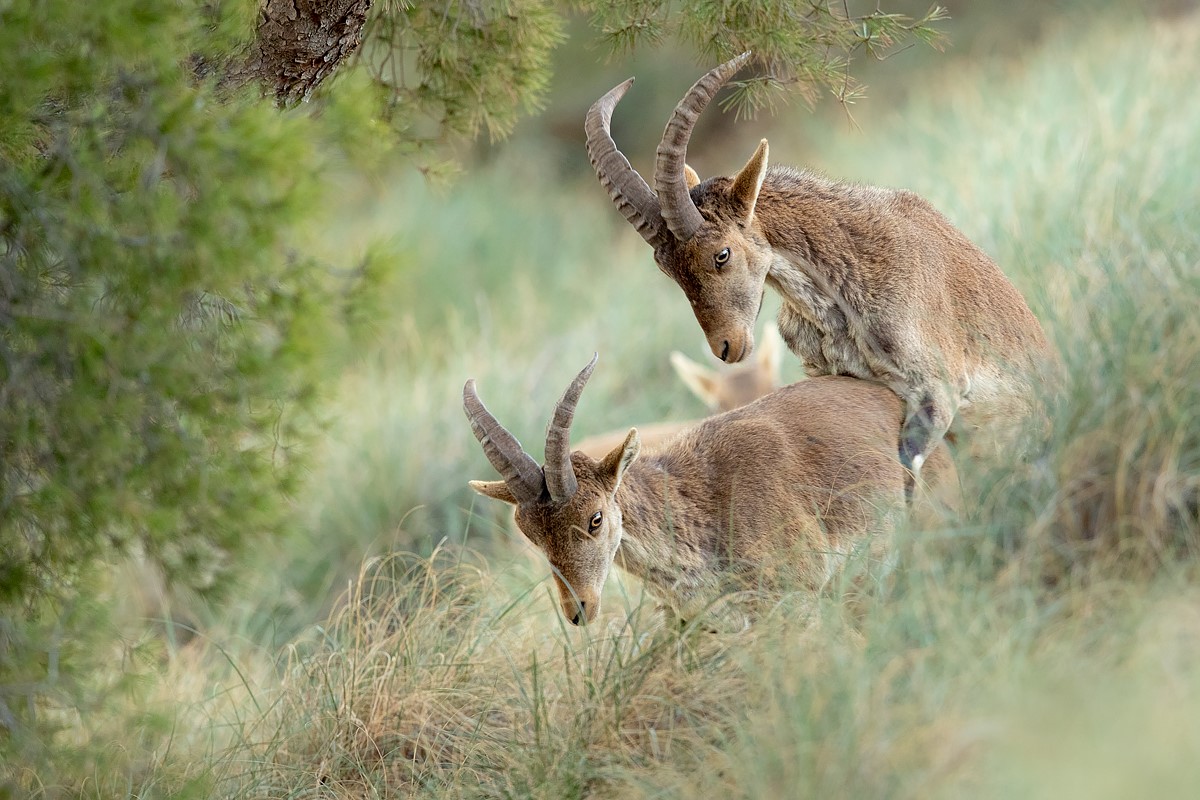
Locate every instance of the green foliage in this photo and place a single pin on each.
(160, 341)
(449, 71)
(807, 47)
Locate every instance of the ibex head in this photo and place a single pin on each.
(567, 508)
(702, 233)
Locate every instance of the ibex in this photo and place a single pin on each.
(720, 391)
(786, 486)
(875, 282)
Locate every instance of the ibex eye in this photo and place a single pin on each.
(722, 257)
(594, 522)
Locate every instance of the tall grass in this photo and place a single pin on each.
(1045, 643)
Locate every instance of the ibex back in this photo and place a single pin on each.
(720, 391)
(785, 487)
(875, 282)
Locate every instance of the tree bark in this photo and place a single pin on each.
(300, 43)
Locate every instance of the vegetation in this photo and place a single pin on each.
(1012, 653)
(162, 341)
(396, 638)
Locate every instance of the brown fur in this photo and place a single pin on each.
(876, 283)
(785, 487)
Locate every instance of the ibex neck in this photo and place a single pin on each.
(668, 536)
(820, 230)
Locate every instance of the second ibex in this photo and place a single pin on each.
(875, 282)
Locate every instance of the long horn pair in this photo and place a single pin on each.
(521, 473)
(671, 212)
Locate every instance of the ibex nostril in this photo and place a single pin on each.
(725, 351)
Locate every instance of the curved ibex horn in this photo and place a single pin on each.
(677, 209)
(629, 191)
(560, 477)
(520, 471)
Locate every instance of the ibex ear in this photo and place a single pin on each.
(615, 463)
(691, 177)
(770, 353)
(747, 182)
(701, 380)
(497, 490)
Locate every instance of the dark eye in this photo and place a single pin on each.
(721, 257)
(594, 522)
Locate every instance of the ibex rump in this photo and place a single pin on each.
(875, 283)
(788, 485)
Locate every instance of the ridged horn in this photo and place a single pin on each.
(629, 191)
(678, 211)
(560, 478)
(519, 469)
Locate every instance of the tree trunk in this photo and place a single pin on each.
(300, 43)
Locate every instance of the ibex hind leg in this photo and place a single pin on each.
(924, 427)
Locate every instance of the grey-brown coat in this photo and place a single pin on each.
(876, 283)
(784, 488)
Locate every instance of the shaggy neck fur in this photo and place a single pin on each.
(825, 236)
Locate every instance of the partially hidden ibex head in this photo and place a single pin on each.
(567, 508)
(735, 386)
(702, 232)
